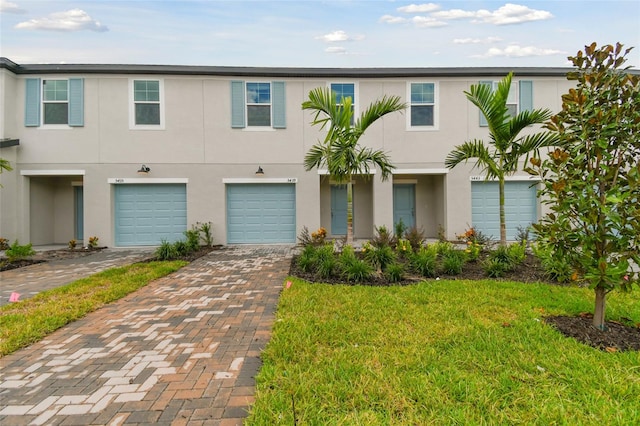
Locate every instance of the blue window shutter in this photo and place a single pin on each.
(483, 119)
(32, 102)
(526, 95)
(278, 105)
(76, 102)
(237, 104)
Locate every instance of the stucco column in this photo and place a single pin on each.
(383, 203)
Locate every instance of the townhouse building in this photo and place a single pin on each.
(135, 154)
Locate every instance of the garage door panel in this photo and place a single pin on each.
(260, 213)
(148, 214)
(520, 207)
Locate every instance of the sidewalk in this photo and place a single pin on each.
(183, 350)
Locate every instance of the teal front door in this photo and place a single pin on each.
(339, 210)
(404, 204)
(79, 204)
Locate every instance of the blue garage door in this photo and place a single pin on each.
(261, 213)
(147, 214)
(521, 207)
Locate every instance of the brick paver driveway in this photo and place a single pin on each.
(183, 350)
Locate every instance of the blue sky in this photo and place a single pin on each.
(314, 33)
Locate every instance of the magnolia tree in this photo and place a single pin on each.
(591, 181)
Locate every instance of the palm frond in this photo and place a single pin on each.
(474, 150)
(379, 109)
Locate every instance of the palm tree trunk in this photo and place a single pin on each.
(349, 212)
(503, 226)
(598, 312)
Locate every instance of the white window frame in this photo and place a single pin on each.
(42, 102)
(248, 127)
(132, 105)
(356, 94)
(514, 93)
(436, 109)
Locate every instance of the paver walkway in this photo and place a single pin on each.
(183, 350)
(33, 279)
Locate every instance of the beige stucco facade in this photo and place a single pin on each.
(196, 145)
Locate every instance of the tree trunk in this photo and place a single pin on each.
(349, 213)
(503, 226)
(598, 312)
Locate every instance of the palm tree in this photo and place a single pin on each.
(4, 165)
(500, 158)
(339, 152)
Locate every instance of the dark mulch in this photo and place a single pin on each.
(618, 337)
(46, 256)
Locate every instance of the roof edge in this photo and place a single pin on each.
(377, 72)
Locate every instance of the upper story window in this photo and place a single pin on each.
(258, 105)
(147, 109)
(423, 105)
(520, 97)
(343, 91)
(54, 102)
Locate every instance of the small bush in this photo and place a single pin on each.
(453, 261)
(380, 257)
(383, 237)
(415, 237)
(19, 252)
(181, 248)
(404, 249)
(348, 256)
(93, 242)
(517, 253)
(316, 238)
(503, 255)
(395, 272)
(307, 259)
(206, 231)
(495, 268)
(522, 235)
(473, 251)
(72, 244)
(4, 244)
(399, 229)
(443, 247)
(556, 268)
(326, 267)
(357, 271)
(166, 251)
(193, 239)
(424, 261)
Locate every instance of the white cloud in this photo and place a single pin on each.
(419, 8)
(393, 19)
(425, 21)
(336, 50)
(71, 20)
(9, 7)
(455, 14)
(338, 36)
(512, 14)
(476, 40)
(515, 51)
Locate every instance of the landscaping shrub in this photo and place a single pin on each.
(19, 252)
(206, 231)
(399, 229)
(404, 249)
(93, 242)
(453, 261)
(555, 267)
(357, 271)
(4, 244)
(316, 238)
(473, 251)
(326, 266)
(193, 239)
(181, 248)
(395, 272)
(494, 268)
(415, 237)
(72, 244)
(383, 237)
(424, 261)
(307, 259)
(166, 251)
(380, 257)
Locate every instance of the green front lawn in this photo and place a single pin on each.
(442, 352)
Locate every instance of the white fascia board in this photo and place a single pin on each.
(420, 171)
(124, 181)
(52, 172)
(259, 180)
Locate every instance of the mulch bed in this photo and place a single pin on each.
(46, 256)
(618, 337)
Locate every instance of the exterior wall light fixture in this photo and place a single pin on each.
(144, 170)
(259, 172)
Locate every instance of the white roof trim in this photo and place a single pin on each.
(259, 180)
(124, 181)
(420, 171)
(52, 172)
